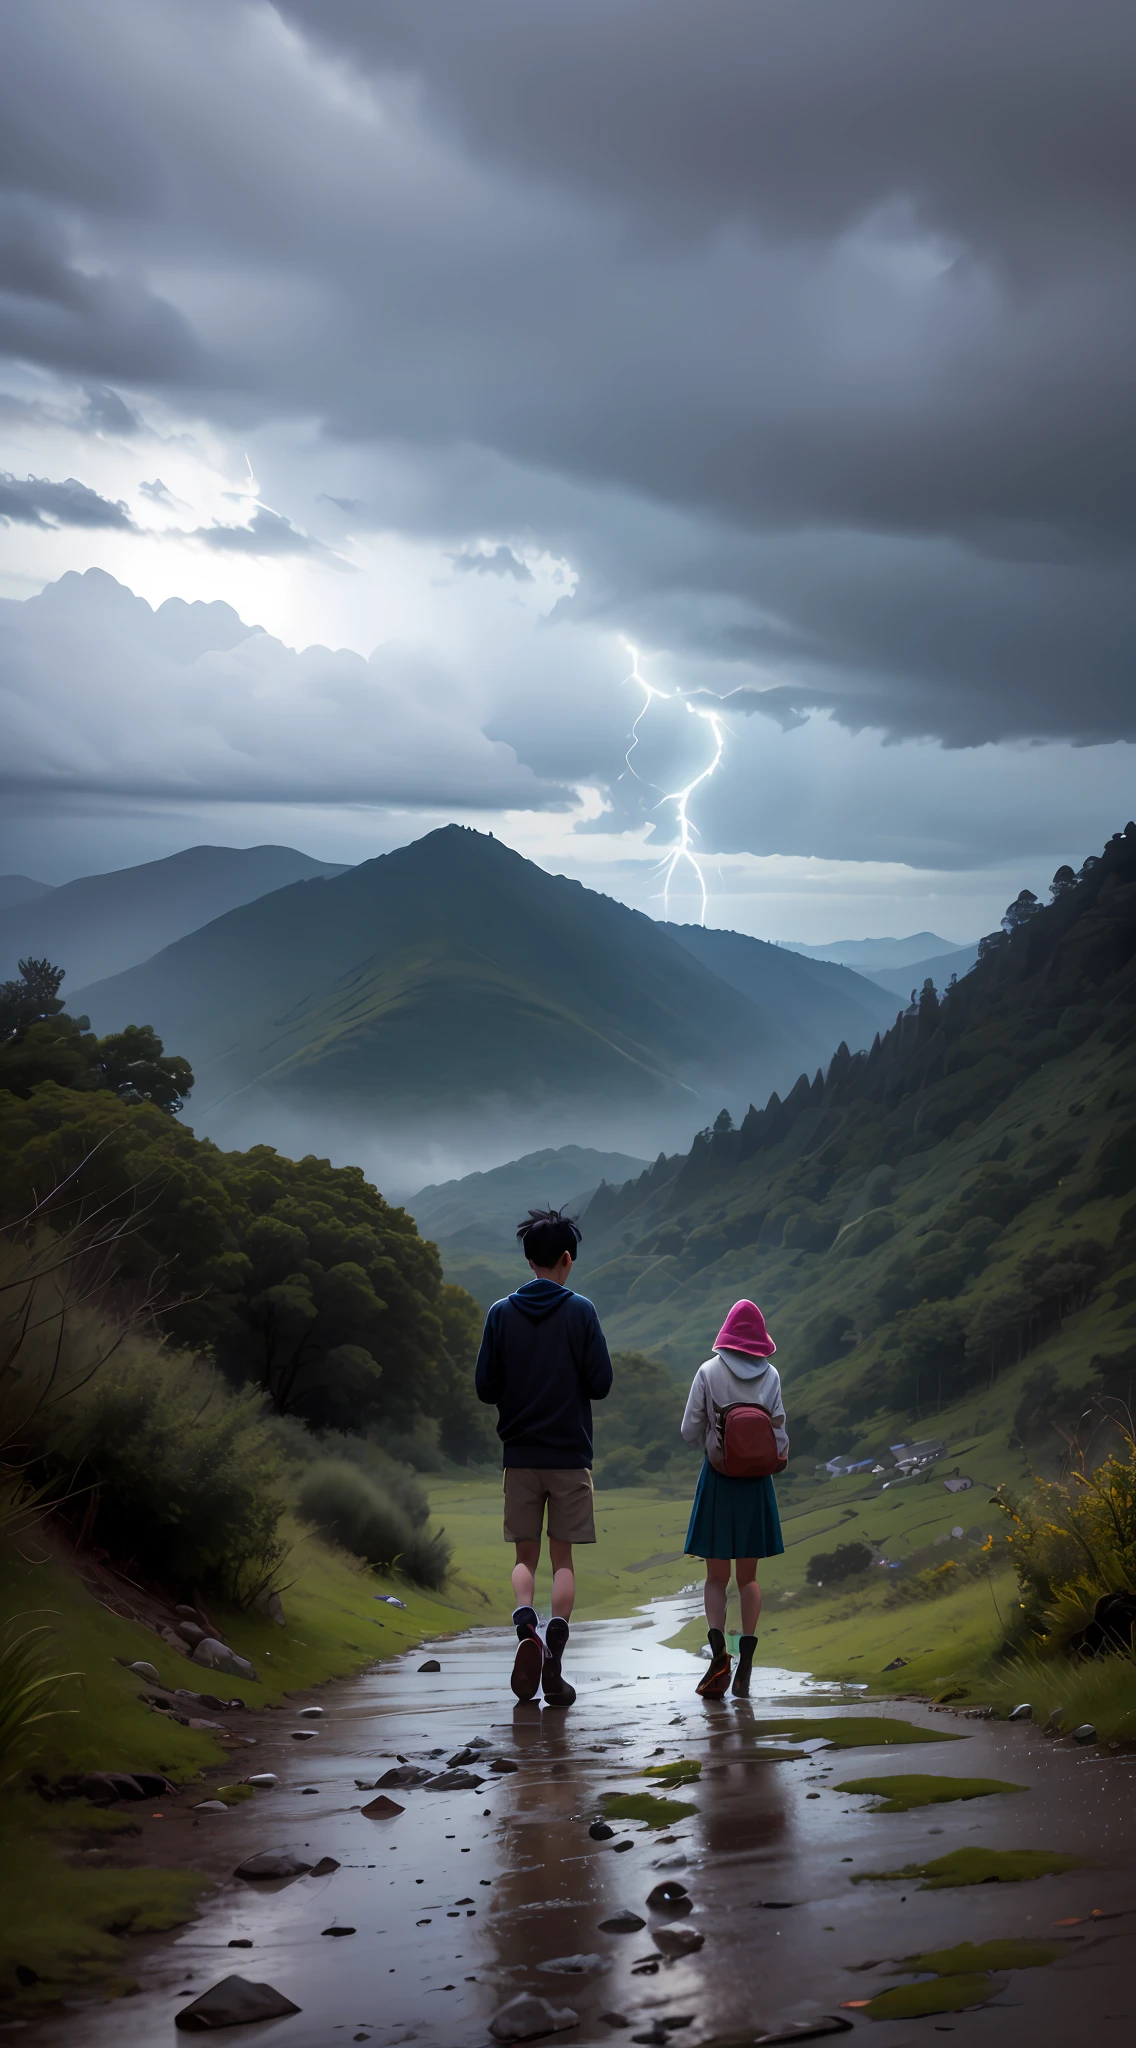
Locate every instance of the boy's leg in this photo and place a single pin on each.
(524, 1573)
(524, 1521)
(749, 1594)
(717, 1676)
(563, 1578)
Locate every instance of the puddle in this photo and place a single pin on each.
(461, 1900)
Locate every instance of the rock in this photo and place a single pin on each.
(311, 1713)
(191, 1632)
(431, 1664)
(271, 1864)
(337, 1930)
(1054, 1721)
(503, 1764)
(622, 1923)
(897, 1664)
(526, 2018)
(239, 1941)
(103, 1786)
(670, 1897)
(264, 1780)
(480, 1742)
(600, 1831)
(614, 2019)
(1085, 1733)
(146, 1671)
(677, 1941)
(463, 1756)
(303, 1734)
(382, 1808)
(403, 1774)
(390, 1600)
(678, 1862)
(324, 1867)
(456, 1781)
(622, 1845)
(575, 1966)
(233, 2003)
(187, 1613)
(210, 1806)
(271, 1605)
(218, 1657)
(1022, 1713)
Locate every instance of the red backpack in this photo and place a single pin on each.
(747, 1446)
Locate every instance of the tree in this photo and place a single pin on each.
(1018, 913)
(134, 1063)
(34, 995)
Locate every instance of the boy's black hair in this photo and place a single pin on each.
(547, 1235)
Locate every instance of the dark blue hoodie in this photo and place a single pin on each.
(543, 1361)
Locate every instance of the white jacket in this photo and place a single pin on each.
(716, 1385)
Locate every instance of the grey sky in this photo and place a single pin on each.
(800, 334)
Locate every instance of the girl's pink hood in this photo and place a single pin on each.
(744, 1330)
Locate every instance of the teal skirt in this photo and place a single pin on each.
(733, 1517)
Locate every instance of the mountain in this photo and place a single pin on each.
(869, 955)
(945, 1225)
(16, 889)
(453, 986)
(101, 924)
(488, 1206)
(840, 1005)
(900, 981)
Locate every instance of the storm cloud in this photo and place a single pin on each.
(805, 332)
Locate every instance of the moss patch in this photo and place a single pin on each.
(900, 1793)
(658, 1813)
(685, 1771)
(854, 1731)
(980, 1866)
(971, 1956)
(938, 1994)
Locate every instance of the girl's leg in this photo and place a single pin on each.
(717, 1677)
(714, 1592)
(749, 1594)
(524, 1572)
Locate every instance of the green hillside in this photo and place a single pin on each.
(452, 977)
(942, 1231)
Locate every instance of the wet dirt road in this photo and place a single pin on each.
(466, 1897)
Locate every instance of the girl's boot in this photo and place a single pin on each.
(746, 1647)
(717, 1678)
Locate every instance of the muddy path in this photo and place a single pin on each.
(460, 1901)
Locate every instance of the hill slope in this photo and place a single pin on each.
(454, 982)
(15, 889)
(899, 981)
(840, 1005)
(101, 924)
(947, 1219)
(483, 1206)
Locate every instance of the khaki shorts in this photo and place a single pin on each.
(571, 1510)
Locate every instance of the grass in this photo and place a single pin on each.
(854, 1731)
(919, 2001)
(900, 1794)
(68, 1925)
(971, 1956)
(979, 1866)
(658, 1813)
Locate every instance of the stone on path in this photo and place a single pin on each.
(144, 1670)
(233, 2003)
(677, 1941)
(273, 1863)
(382, 1808)
(264, 1780)
(431, 1664)
(622, 1923)
(310, 1713)
(526, 2018)
(455, 1781)
(1085, 1733)
(670, 1897)
(600, 1831)
(1022, 1713)
(210, 1806)
(403, 1774)
(217, 1656)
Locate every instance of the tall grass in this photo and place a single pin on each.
(28, 1684)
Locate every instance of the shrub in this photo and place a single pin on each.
(827, 1566)
(348, 1504)
(1071, 1541)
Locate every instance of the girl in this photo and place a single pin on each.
(735, 1517)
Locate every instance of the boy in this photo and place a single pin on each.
(543, 1361)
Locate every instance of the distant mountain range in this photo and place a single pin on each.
(897, 965)
(901, 980)
(828, 1003)
(454, 985)
(15, 889)
(486, 1207)
(102, 924)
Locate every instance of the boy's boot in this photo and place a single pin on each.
(529, 1659)
(555, 1687)
(717, 1678)
(746, 1647)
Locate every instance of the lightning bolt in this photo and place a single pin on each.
(682, 854)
